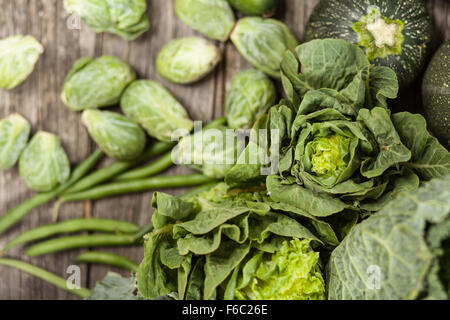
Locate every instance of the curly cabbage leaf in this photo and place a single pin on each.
(398, 253)
(291, 273)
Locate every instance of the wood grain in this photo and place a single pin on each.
(38, 100)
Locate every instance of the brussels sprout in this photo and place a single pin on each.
(119, 137)
(186, 60)
(213, 18)
(18, 55)
(212, 151)
(292, 273)
(44, 163)
(264, 8)
(125, 18)
(152, 106)
(95, 83)
(252, 93)
(263, 42)
(14, 133)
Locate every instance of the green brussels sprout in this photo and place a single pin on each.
(213, 18)
(125, 18)
(14, 133)
(119, 137)
(263, 43)
(44, 163)
(18, 55)
(213, 151)
(152, 106)
(252, 93)
(95, 83)
(292, 273)
(186, 60)
(265, 8)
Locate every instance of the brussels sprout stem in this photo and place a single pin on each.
(17, 213)
(126, 187)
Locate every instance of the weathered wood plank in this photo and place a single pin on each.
(38, 100)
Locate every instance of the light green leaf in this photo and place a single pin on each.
(18, 55)
(14, 133)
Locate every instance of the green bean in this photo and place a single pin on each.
(45, 275)
(17, 213)
(125, 187)
(152, 169)
(116, 168)
(73, 242)
(74, 225)
(108, 259)
(193, 192)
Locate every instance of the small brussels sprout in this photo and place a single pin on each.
(95, 83)
(252, 93)
(213, 18)
(44, 163)
(265, 8)
(125, 18)
(152, 106)
(186, 60)
(213, 151)
(18, 55)
(119, 137)
(14, 133)
(263, 42)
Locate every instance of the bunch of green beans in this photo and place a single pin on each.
(17, 213)
(74, 225)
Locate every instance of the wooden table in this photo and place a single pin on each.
(38, 99)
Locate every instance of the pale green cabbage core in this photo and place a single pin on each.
(328, 156)
(292, 273)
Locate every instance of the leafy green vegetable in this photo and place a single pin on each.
(218, 231)
(262, 42)
(95, 83)
(125, 18)
(152, 106)
(397, 253)
(291, 273)
(18, 55)
(337, 69)
(252, 93)
(114, 287)
(213, 18)
(186, 60)
(116, 135)
(14, 133)
(44, 163)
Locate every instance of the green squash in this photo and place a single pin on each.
(393, 33)
(436, 94)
